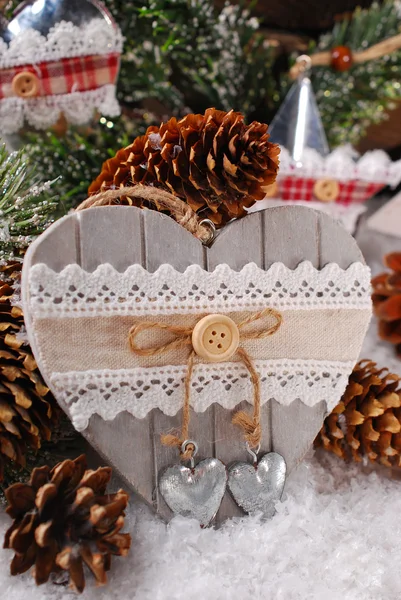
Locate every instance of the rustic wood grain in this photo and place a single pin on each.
(109, 239)
(290, 236)
(127, 444)
(236, 245)
(284, 242)
(125, 235)
(57, 255)
(164, 241)
(336, 245)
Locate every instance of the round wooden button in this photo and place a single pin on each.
(215, 338)
(326, 190)
(25, 85)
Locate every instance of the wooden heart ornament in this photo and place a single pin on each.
(93, 273)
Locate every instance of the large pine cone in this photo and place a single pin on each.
(28, 411)
(214, 162)
(63, 520)
(386, 299)
(367, 421)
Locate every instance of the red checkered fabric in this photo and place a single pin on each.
(299, 188)
(79, 74)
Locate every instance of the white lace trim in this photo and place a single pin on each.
(64, 40)
(76, 293)
(42, 112)
(344, 164)
(140, 390)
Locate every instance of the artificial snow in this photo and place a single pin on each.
(344, 163)
(336, 536)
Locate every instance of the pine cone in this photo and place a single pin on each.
(28, 411)
(367, 421)
(386, 299)
(63, 520)
(214, 162)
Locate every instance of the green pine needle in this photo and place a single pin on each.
(26, 206)
(351, 101)
(184, 56)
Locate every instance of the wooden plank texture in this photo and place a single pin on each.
(291, 236)
(167, 242)
(164, 241)
(229, 442)
(126, 443)
(110, 238)
(292, 427)
(336, 245)
(117, 239)
(57, 255)
(123, 236)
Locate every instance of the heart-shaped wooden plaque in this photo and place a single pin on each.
(77, 327)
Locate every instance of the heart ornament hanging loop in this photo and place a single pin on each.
(253, 453)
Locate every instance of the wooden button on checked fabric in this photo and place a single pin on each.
(25, 85)
(326, 190)
(215, 338)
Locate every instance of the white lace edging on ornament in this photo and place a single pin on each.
(140, 390)
(44, 111)
(76, 293)
(344, 164)
(64, 40)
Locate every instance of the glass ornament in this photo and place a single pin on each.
(42, 15)
(297, 125)
(58, 58)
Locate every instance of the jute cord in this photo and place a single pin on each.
(250, 425)
(323, 59)
(182, 212)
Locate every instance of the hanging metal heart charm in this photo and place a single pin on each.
(195, 492)
(257, 487)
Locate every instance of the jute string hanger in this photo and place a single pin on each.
(250, 425)
(203, 230)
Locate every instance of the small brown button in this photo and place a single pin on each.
(326, 190)
(215, 338)
(25, 85)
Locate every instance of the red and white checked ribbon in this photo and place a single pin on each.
(353, 191)
(65, 76)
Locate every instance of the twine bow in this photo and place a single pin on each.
(183, 337)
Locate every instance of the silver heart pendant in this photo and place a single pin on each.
(257, 487)
(195, 492)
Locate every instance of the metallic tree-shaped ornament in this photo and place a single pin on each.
(297, 125)
(337, 182)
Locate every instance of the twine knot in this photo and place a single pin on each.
(183, 337)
